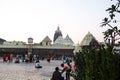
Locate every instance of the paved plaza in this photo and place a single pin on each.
(27, 71)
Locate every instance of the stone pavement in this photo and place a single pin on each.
(27, 71)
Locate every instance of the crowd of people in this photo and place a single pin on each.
(20, 58)
(57, 74)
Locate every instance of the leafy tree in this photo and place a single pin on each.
(99, 64)
(113, 33)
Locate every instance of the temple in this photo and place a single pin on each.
(88, 42)
(58, 47)
(61, 46)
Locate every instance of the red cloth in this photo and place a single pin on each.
(4, 57)
(74, 66)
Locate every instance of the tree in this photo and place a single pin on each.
(92, 64)
(113, 33)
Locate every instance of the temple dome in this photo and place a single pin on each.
(57, 34)
(46, 41)
(59, 41)
(68, 40)
(88, 40)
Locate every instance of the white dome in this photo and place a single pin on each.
(59, 40)
(87, 39)
(68, 40)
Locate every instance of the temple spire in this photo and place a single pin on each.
(57, 33)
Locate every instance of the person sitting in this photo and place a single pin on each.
(17, 60)
(57, 75)
(37, 64)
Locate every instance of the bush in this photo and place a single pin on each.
(99, 64)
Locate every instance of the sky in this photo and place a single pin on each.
(21, 19)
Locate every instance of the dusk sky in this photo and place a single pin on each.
(21, 19)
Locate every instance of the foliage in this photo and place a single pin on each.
(97, 65)
(113, 33)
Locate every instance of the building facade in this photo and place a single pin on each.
(43, 49)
